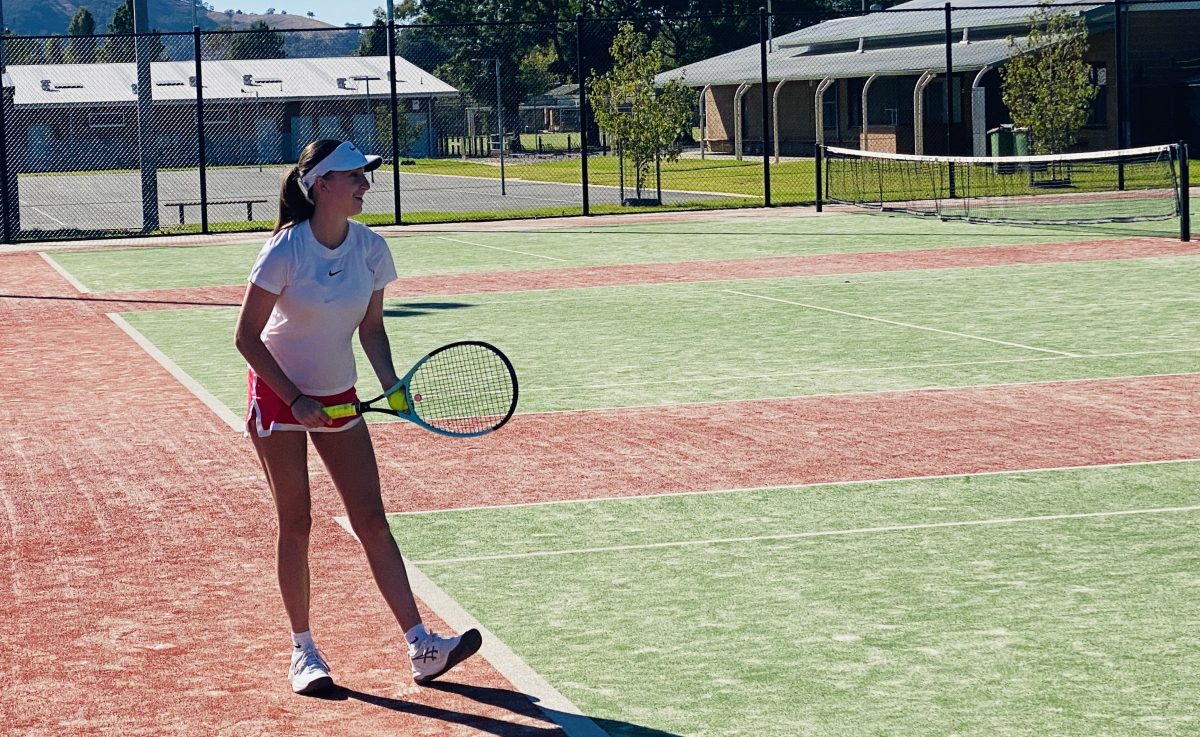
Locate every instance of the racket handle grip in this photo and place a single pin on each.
(338, 411)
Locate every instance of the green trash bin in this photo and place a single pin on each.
(1020, 138)
(1001, 140)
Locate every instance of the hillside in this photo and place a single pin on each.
(51, 17)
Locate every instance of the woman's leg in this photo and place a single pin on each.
(283, 457)
(350, 458)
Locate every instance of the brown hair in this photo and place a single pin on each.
(294, 205)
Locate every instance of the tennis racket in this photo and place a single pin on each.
(463, 389)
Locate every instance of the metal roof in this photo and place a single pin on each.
(904, 39)
(907, 60)
(56, 85)
(922, 18)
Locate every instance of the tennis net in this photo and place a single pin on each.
(1078, 188)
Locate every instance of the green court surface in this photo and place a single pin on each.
(454, 252)
(797, 611)
(658, 344)
(1051, 602)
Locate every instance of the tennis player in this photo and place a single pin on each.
(318, 280)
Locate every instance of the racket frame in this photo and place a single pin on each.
(351, 409)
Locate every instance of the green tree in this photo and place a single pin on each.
(53, 50)
(1046, 84)
(118, 47)
(81, 49)
(374, 37)
(647, 122)
(263, 43)
(21, 50)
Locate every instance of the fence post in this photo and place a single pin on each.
(145, 116)
(948, 104)
(392, 101)
(6, 202)
(766, 137)
(201, 151)
(581, 73)
(1185, 195)
(1119, 62)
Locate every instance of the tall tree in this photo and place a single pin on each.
(647, 122)
(81, 49)
(374, 37)
(263, 43)
(1046, 84)
(118, 47)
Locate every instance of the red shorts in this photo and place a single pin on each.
(267, 412)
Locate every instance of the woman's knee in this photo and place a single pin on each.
(371, 525)
(295, 526)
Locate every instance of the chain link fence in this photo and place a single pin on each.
(172, 133)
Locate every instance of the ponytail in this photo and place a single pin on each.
(294, 205)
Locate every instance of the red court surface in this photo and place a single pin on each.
(137, 537)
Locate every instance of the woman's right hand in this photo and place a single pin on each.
(310, 413)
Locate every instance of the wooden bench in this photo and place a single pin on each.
(249, 203)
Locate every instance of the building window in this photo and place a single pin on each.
(1098, 107)
(106, 120)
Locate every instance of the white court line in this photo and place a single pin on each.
(812, 534)
(43, 213)
(825, 372)
(863, 393)
(182, 376)
(792, 487)
(557, 707)
(900, 324)
(64, 273)
(497, 248)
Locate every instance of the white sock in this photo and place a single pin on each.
(302, 639)
(416, 634)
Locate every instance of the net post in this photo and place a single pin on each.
(818, 157)
(1185, 194)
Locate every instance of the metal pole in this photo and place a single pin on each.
(949, 107)
(145, 114)
(395, 111)
(1119, 62)
(6, 216)
(1185, 195)
(766, 133)
(201, 155)
(818, 155)
(583, 128)
(500, 124)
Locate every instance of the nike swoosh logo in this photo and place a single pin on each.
(335, 273)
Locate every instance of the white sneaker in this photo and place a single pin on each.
(309, 672)
(434, 655)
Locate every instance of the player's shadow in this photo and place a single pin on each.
(547, 721)
(415, 309)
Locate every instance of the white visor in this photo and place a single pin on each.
(345, 157)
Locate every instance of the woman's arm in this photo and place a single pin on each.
(374, 340)
(256, 310)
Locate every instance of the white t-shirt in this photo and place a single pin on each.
(323, 296)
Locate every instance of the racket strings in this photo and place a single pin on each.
(464, 389)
